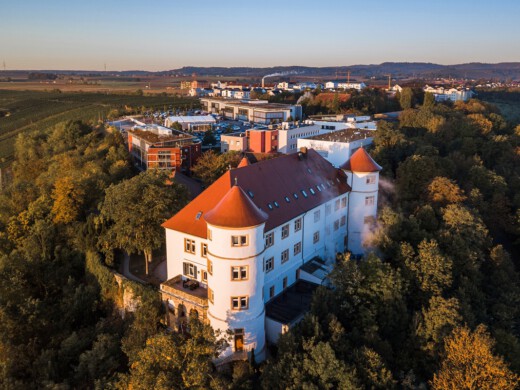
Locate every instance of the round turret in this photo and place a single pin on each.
(235, 277)
(363, 177)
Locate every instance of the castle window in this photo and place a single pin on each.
(285, 256)
(269, 240)
(190, 270)
(317, 215)
(209, 234)
(343, 202)
(211, 295)
(316, 237)
(210, 267)
(328, 209)
(203, 250)
(297, 248)
(369, 200)
(336, 205)
(371, 179)
(336, 224)
(269, 264)
(285, 231)
(239, 273)
(271, 292)
(343, 221)
(239, 241)
(203, 276)
(189, 245)
(239, 303)
(297, 224)
(284, 283)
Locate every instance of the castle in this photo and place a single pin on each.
(246, 254)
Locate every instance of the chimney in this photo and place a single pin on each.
(303, 151)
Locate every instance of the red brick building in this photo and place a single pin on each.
(262, 141)
(177, 151)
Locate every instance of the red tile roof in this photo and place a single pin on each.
(271, 185)
(235, 210)
(243, 163)
(361, 162)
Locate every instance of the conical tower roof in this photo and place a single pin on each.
(243, 163)
(235, 210)
(361, 162)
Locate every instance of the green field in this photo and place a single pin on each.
(29, 110)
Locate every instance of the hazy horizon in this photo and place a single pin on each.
(57, 35)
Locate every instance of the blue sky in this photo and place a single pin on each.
(161, 34)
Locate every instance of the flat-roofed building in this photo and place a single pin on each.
(337, 146)
(262, 140)
(233, 142)
(192, 123)
(171, 150)
(256, 111)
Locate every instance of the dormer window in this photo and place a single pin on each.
(276, 204)
(287, 199)
(312, 191)
(304, 194)
(295, 195)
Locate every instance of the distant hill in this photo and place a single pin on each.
(424, 70)
(501, 71)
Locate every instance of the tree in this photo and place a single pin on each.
(176, 361)
(68, 200)
(406, 98)
(429, 100)
(443, 191)
(470, 363)
(209, 138)
(210, 166)
(134, 209)
(431, 270)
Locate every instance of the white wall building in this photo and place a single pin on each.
(454, 94)
(257, 111)
(337, 146)
(342, 85)
(259, 231)
(192, 123)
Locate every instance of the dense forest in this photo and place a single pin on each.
(436, 303)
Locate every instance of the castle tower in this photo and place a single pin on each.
(235, 277)
(363, 177)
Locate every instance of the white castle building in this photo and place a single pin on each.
(247, 253)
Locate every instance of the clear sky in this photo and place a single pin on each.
(168, 34)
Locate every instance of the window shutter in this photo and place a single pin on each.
(195, 271)
(185, 268)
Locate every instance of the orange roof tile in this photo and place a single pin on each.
(361, 161)
(271, 185)
(235, 210)
(243, 163)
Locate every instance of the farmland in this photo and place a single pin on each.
(30, 110)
